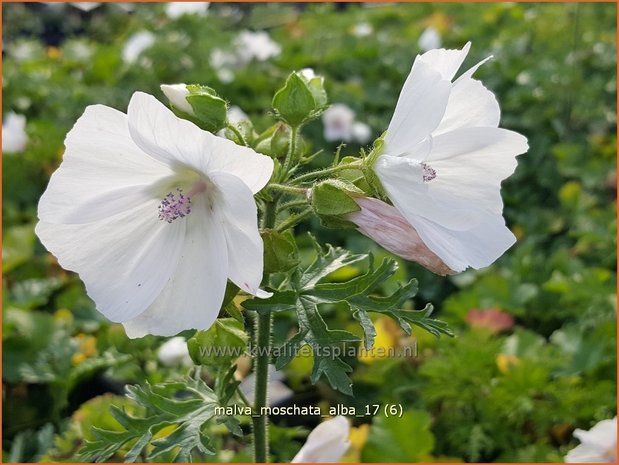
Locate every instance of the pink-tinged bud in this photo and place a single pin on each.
(383, 223)
(492, 319)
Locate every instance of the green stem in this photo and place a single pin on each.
(325, 172)
(293, 220)
(288, 189)
(237, 133)
(264, 321)
(292, 204)
(292, 148)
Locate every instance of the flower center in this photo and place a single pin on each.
(174, 206)
(429, 173)
(178, 205)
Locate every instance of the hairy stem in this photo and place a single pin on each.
(325, 172)
(237, 133)
(292, 148)
(264, 322)
(292, 220)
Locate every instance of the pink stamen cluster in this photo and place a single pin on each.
(174, 206)
(428, 173)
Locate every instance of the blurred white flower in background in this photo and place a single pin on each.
(224, 63)
(14, 137)
(361, 132)
(174, 353)
(362, 29)
(175, 10)
(444, 158)
(340, 125)
(429, 39)
(236, 115)
(598, 445)
(327, 443)
(86, 6)
(256, 45)
(278, 391)
(155, 215)
(136, 44)
(23, 50)
(338, 120)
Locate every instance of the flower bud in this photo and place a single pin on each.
(300, 100)
(199, 104)
(383, 223)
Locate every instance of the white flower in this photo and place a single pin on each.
(136, 44)
(236, 115)
(599, 444)
(224, 63)
(429, 39)
(444, 158)
(23, 50)
(174, 352)
(384, 224)
(362, 30)
(256, 45)
(175, 10)
(177, 95)
(155, 215)
(327, 443)
(278, 391)
(14, 137)
(338, 122)
(85, 6)
(361, 132)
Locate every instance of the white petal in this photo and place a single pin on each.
(470, 104)
(402, 179)
(602, 435)
(238, 213)
(124, 260)
(103, 172)
(446, 61)
(478, 247)
(177, 95)
(419, 110)
(164, 136)
(194, 293)
(225, 156)
(585, 453)
(327, 443)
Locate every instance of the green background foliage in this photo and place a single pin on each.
(514, 395)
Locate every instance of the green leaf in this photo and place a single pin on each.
(397, 439)
(326, 345)
(185, 407)
(294, 102)
(280, 251)
(17, 246)
(279, 302)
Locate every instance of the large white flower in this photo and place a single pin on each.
(598, 445)
(14, 137)
(155, 215)
(444, 158)
(327, 443)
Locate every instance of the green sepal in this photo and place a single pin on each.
(209, 108)
(226, 341)
(294, 103)
(334, 197)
